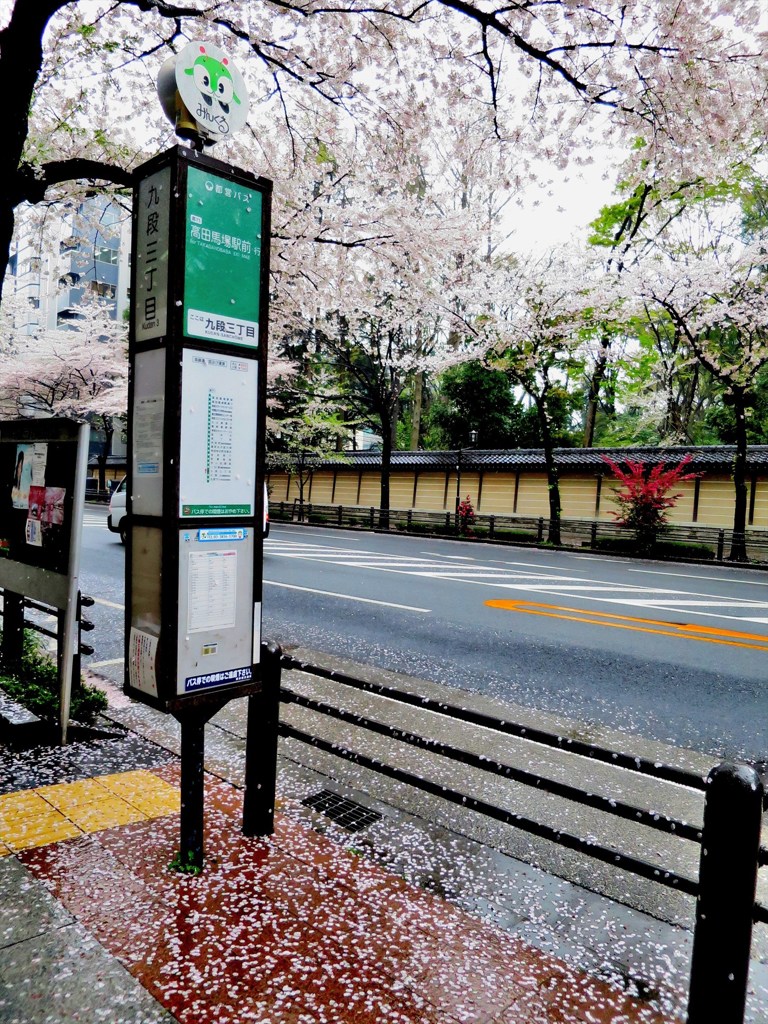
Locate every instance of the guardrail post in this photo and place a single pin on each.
(261, 747)
(725, 905)
(339, 513)
(372, 518)
(593, 536)
(409, 519)
(540, 536)
(720, 544)
(491, 525)
(13, 628)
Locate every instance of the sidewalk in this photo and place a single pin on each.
(301, 928)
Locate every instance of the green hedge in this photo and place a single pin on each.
(661, 549)
(683, 549)
(524, 536)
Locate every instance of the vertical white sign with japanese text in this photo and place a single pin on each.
(152, 228)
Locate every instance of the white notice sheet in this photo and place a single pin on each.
(219, 403)
(212, 590)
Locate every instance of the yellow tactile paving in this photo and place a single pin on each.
(42, 832)
(70, 796)
(50, 814)
(21, 806)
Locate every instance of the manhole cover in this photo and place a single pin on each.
(351, 816)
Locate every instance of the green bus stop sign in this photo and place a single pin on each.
(222, 266)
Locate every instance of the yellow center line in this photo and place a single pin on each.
(683, 631)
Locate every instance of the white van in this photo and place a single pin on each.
(117, 520)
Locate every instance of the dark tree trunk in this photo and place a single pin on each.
(738, 542)
(418, 396)
(553, 481)
(386, 465)
(21, 58)
(106, 450)
(593, 395)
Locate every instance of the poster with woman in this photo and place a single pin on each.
(22, 476)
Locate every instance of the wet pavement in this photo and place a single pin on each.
(315, 924)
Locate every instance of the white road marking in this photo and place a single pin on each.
(661, 602)
(349, 597)
(522, 576)
(109, 604)
(580, 587)
(104, 664)
(693, 576)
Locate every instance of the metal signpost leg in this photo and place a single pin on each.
(261, 748)
(192, 724)
(192, 721)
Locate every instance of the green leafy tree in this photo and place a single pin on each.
(472, 396)
(534, 336)
(716, 299)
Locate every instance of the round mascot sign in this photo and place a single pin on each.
(212, 90)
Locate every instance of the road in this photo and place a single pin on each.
(676, 653)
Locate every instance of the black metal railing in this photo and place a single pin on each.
(16, 620)
(678, 542)
(734, 800)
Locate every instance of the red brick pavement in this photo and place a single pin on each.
(298, 930)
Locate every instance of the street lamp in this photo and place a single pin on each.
(472, 442)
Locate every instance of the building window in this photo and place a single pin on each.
(34, 303)
(105, 291)
(102, 254)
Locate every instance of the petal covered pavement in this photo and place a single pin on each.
(294, 929)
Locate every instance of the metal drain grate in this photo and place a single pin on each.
(351, 816)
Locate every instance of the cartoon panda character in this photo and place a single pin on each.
(214, 80)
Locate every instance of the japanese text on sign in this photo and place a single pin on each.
(151, 311)
(222, 270)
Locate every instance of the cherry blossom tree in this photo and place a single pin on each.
(647, 212)
(80, 372)
(715, 297)
(534, 332)
(661, 73)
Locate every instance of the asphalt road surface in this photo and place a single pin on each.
(672, 652)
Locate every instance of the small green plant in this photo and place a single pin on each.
(35, 685)
(185, 865)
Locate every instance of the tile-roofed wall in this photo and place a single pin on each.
(703, 457)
